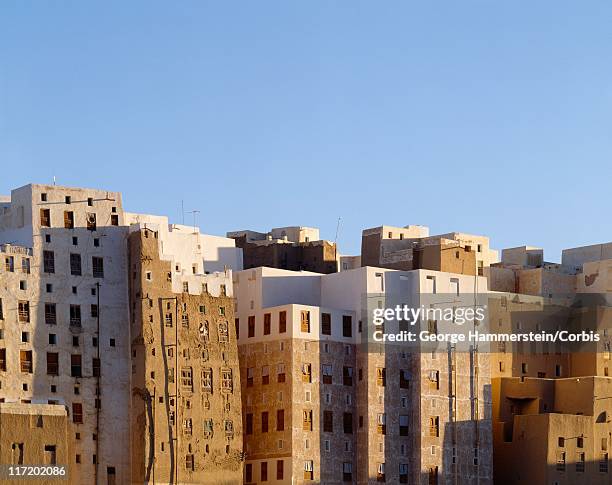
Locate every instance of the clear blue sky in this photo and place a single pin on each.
(478, 116)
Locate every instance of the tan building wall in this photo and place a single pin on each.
(388, 401)
(36, 434)
(186, 408)
(50, 332)
(557, 429)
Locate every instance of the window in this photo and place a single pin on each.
(50, 456)
(208, 428)
(347, 472)
(77, 413)
(48, 261)
(326, 323)
(1, 312)
(114, 219)
(52, 339)
(265, 375)
(326, 371)
(430, 285)
(580, 462)
(380, 472)
(249, 423)
(3, 360)
(98, 267)
(305, 321)
(308, 470)
(306, 373)
(267, 323)
(381, 376)
(524, 368)
(52, 363)
(263, 468)
(94, 311)
(561, 461)
(188, 426)
(347, 326)
(280, 372)
(45, 217)
(251, 326)
(434, 379)
(282, 322)
(75, 264)
(75, 315)
(381, 423)
(75, 365)
(25, 361)
(328, 422)
(237, 327)
(264, 422)
(404, 379)
(403, 425)
(248, 472)
(25, 265)
(280, 420)
(50, 314)
(347, 423)
(434, 426)
(9, 264)
(189, 462)
(95, 365)
(187, 379)
(207, 379)
(279, 469)
(307, 420)
(347, 376)
(69, 219)
(91, 221)
(603, 463)
(454, 286)
(250, 374)
(227, 383)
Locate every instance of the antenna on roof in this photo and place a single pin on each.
(54, 180)
(194, 212)
(337, 230)
(336, 243)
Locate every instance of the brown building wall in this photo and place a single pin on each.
(171, 397)
(370, 249)
(447, 258)
(28, 431)
(316, 256)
